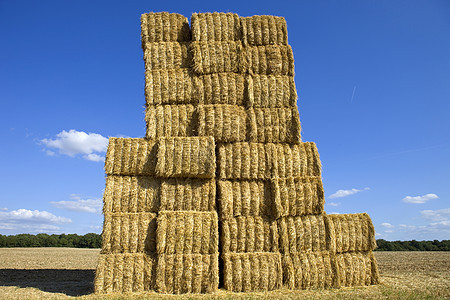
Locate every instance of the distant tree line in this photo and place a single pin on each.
(413, 245)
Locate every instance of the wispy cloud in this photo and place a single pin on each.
(438, 215)
(25, 220)
(345, 193)
(333, 203)
(73, 143)
(387, 225)
(80, 205)
(420, 199)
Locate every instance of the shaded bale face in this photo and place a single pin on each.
(220, 88)
(216, 27)
(170, 121)
(264, 30)
(164, 27)
(271, 91)
(356, 269)
(216, 57)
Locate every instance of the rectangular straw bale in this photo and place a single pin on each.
(173, 86)
(186, 157)
(129, 232)
(264, 30)
(244, 161)
(249, 234)
(167, 55)
(244, 198)
(130, 156)
(298, 196)
(187, 232)
(216, 57)
(215, 27)
(302, 233)
(188, 194)
(219, 88)
(268, 60)
(295, 160)
(270, 91)
(356, 269)
(252, 272)
(131, 194)
(274, 125)
(124, 272)
(170, 120)
(303, 270)
(187, 273)
(164, 27)
(353, 232)
(226, 123)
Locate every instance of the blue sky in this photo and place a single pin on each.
(373, 79)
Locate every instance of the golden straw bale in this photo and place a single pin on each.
(123, 273)
(215, 27)
(187, 232)
(271, 91)
(356, 269)
(252, 272)
(187, 273)
(274, 125)
(353, 232)
(130, 156)
(186, 157)
(244, 160)
(303, 270)
(219, 88)
(297, 196)
(164, 27)
(268, 60)
(131, 194)
(167, 55)
(170, 120)
(302, 233)
(226, 123)
(264, 30)
(216, 57)
(244, 198)
(173, 86)
(188, 194)
(249, 234)
(129, 232)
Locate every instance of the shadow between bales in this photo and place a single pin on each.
(69, 282)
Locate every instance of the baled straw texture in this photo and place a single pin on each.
(164, 27)
(173, 86)
(252, 272)
(166, 55)
(303, 233)
(216, 27)
(303, 270)
(264, 30)
(170, 120)
(186, 157)
(269, 60)
(226, 123)
(187, 273)
(131, 194)
(244, 198)
(219, 88)
(124, 272)
(298, 196)
(271, 91)
(274, 125)
(353, 232)
(249, 234)
(129, 233)
(356, 268)
(188, 194)
(295, 160)
(130, 156)
(216, 57)
(187, 232)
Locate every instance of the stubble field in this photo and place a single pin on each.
(62, 272)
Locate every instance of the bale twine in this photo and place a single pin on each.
(170, 120)
(268, 60)
(167, 55)
(215, 27)
(271, 91)
(264, 30)
(219, 88)
(216, 57)
(164, 27)
(173, 86)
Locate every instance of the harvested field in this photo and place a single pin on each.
(33, 273)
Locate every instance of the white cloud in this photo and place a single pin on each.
(333, 203)
(420, 199)
(25, 220)
(3, 209)
(377, 234)
(80, 205)
(345, 193)
(334, 213)
(388, 231)
(73, 143)
(436, 215)
(387, 225)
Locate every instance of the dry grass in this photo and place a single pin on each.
(54, 273)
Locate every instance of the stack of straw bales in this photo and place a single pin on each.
(222, 177)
